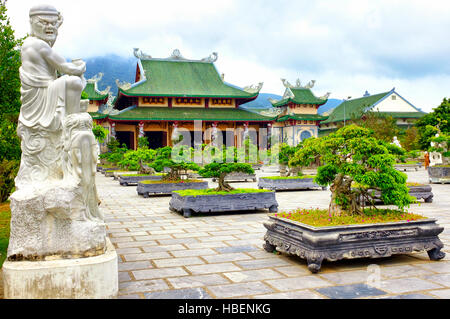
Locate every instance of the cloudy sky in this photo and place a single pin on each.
(347, 46)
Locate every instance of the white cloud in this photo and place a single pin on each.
(348, 46)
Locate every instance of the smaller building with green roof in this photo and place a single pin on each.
(388, 103)
(96, 98)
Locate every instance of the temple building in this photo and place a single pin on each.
(171, 93)
(297, 117)
(96, 98)
(388, 103)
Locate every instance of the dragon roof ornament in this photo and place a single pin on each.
(298, 84)
(141, 55)
(95, 78)
(123, 85)
(253, 88)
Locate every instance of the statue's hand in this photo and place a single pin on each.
(80, 64)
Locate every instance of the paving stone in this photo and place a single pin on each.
(226, 257)
(158, 273)
(160, 248)
(197, 281)
(190, 293)
(300, 294)
(347, 277)
(436, 266)
(402, 271)
(441, 293)
(128, 297)
(240, 290)
(193, 234)
(174, 241)
(182, 261)
(298, 283)
(128, 250)
(350, 291)
(134, 265)
(143, 286)
(124, 276)
(136, 244)
(216, 238)
(212, 268)
(235, 249)
(253, 275)
(213, 244)
(294, 271)
(262, 263)
(442, 279)
(146, 256)
(403, 285)
(193, 252)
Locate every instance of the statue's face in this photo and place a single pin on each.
(45, 27)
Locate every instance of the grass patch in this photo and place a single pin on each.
(212, 191)
(408, 163)
(321, 218)
(172, 182)
(441, 165)
(289, 177)
(414, 184)
(5, 218)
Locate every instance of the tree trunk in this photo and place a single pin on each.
(223, 186)
(341, 188)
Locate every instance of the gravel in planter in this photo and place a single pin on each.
(316, 244)
(166, 188)
(290, 183)
(233, 202)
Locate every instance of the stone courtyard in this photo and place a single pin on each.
(164, 255)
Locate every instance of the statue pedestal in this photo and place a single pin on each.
(81, 278)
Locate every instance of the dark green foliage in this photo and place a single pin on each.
(115, 152)
(9, 141)
(427, 125)
(142, 142)
(353, 154)
(84, 96)
(100, 132)
(131, 158)
(8, 171)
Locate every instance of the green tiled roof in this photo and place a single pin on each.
(97, 116)
(299, 117)
(93, 93)
(405, 115)
(189, 114)
(301, 96)
(355, 107)
(184, 79)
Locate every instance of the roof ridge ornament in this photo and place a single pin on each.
(123, 85)
(288, 94)
(325, 97)
(253, 88)
(211, 58)
(273, 101)
(298, 84)
(141, 55)
(95, 78)
(106, 91)
(176, 55)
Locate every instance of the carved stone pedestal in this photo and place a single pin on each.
(80, 278)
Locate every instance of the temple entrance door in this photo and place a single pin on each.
(156, 139)
(125, 137)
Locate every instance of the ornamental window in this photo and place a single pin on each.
(222, 101)
(153, 100)
(188, 100)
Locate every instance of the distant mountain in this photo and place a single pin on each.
(327, 107)
(113, 67)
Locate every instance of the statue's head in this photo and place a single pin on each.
(45, 21)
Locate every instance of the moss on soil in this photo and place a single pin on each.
(321, 217)
(172, 182)
(288, 177)
(212, 191)
(138, 175)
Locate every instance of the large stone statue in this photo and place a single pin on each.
(54, 211)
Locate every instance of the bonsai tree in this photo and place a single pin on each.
(285, 153)
(441, 144)
(176, 159)
(115, 151)
(221, 170)
(353, 154)
(100, 132)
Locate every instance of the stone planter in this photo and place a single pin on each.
(104, 169)
(117, 174)
(439, 174)
(257, 166)
(420, 192)
(408, 167)
(110, 172)
(167, 188)
(223, 203)
(238, 177)
(352, 241)
(288, 184)
(133, 180)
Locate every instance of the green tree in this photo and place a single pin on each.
(428, 125)
(100, 132)
(221, 170)
(384, 126)
(353, 154)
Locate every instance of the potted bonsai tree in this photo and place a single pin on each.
(224, 198)
(440, 172)
(136, 162)
(172, 180)
(347, 229)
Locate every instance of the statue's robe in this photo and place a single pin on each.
(40, 127)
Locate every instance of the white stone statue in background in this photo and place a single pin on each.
(54, 210)
(396, 142)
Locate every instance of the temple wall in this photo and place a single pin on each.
(394, 103)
